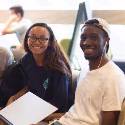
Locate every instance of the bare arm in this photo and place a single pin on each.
(7, 28)
(40, 123)
(53, 116)
(110, 117)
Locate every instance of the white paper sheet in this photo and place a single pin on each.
(27, 110)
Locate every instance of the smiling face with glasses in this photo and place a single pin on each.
(38, 40)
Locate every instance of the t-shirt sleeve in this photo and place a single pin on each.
(18, 28)
(112, 96)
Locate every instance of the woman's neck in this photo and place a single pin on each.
(38, 59)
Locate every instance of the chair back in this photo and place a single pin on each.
(121, 120)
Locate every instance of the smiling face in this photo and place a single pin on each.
(38, 40)
(92, 42)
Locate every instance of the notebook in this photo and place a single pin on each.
(28, 109)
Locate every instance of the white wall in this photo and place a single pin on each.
(108, 4)
(42, 4)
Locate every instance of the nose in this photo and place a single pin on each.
(86, 41)
(37, 41)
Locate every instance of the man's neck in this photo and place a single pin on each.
(95, 64)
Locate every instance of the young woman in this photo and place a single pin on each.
(44, 69)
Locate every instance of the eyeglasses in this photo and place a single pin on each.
(40, 39)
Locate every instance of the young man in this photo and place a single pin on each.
(100, 94)
(16, 23)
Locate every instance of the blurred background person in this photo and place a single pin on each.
(6, 58)
(16, 23)
(44, 69)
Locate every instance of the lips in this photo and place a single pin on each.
(37, 47)
(88, 50)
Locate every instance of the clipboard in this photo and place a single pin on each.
(26, 110)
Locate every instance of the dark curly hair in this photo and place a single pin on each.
(54, 58)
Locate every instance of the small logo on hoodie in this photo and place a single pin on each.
(45, 84)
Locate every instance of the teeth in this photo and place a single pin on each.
(36, 47)
(89, 48)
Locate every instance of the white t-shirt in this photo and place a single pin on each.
(20, 28)
(102, 89)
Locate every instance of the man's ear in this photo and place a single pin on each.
(18, 15)
(107, 39)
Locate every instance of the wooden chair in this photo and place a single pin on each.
(121, 120)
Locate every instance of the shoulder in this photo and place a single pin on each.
(14, 77)
(15, 67)
(112, 69)
(57, 73)
(58, 77)
(25, 22)
(14, 74)
(111, 75)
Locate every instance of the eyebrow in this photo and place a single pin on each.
(89, 34)
(41, 36)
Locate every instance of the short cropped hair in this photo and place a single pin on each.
(17, 9)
